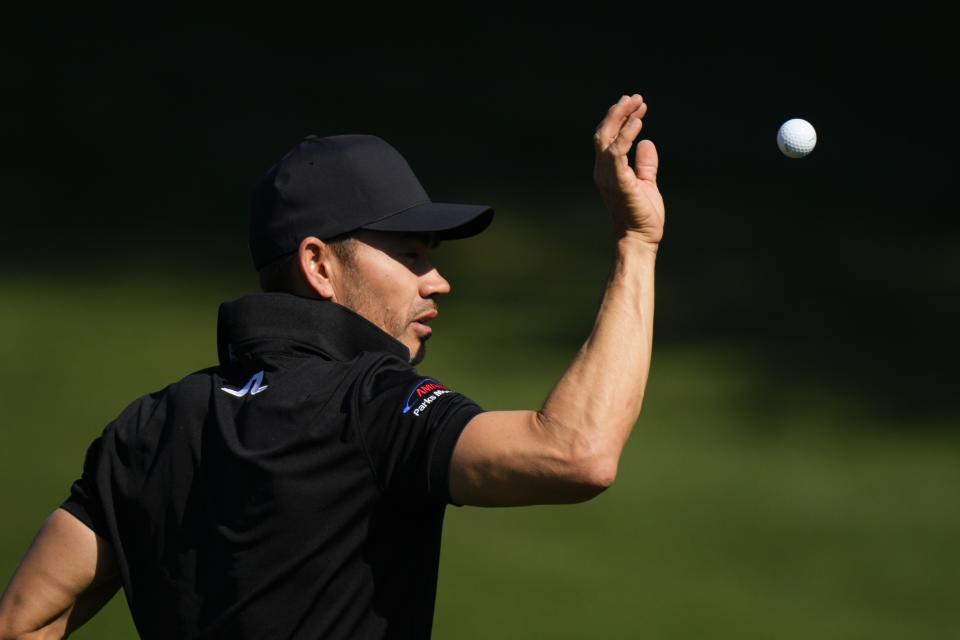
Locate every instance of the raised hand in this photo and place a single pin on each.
(630, 193)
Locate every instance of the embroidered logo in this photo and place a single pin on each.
(252, 386)
(423, 394)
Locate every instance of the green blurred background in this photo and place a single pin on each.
(796, 469)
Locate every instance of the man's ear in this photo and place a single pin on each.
(316, 264)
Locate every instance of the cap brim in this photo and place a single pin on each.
(449, 221)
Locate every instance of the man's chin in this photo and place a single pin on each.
(419, 355)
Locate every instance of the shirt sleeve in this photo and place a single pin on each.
(110, 462)
(409, 425)
(84, 500)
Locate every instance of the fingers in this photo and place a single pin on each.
(621, 124)
(647, 161)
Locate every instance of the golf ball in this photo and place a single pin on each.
(796, 138)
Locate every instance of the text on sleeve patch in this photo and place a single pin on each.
(424, 393)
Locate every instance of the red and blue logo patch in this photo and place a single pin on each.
(423, 395)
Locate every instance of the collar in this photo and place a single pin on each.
(319, 327)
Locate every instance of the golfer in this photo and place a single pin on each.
(297, 489)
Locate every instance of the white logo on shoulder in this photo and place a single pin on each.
(252, 387)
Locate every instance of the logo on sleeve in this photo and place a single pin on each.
(423, 395)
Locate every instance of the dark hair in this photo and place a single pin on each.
(283, 274)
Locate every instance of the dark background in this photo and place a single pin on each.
(133, 142)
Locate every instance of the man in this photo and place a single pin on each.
(297, 490)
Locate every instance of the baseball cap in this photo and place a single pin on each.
(328, 186)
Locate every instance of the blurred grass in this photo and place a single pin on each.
(742, 509)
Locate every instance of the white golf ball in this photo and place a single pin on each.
(796, 138)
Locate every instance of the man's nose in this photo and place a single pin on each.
(433, 284)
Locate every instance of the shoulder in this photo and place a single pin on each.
(392, 376)
(195, 385)
(390, 381)
(191, 391)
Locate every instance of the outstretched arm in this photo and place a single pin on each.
(569, 450)
(66, 576)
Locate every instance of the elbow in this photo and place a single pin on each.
(593, 476)
(595, 465)
(586, 467)
(599, 475)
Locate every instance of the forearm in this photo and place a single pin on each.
(569, 450)
(592, 409)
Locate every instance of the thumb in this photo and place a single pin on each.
(647, 161)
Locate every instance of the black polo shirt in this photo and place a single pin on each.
(297, 490)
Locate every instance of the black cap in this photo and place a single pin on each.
(324, 187)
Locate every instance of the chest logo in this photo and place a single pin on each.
(426, 391)
(252, 387)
